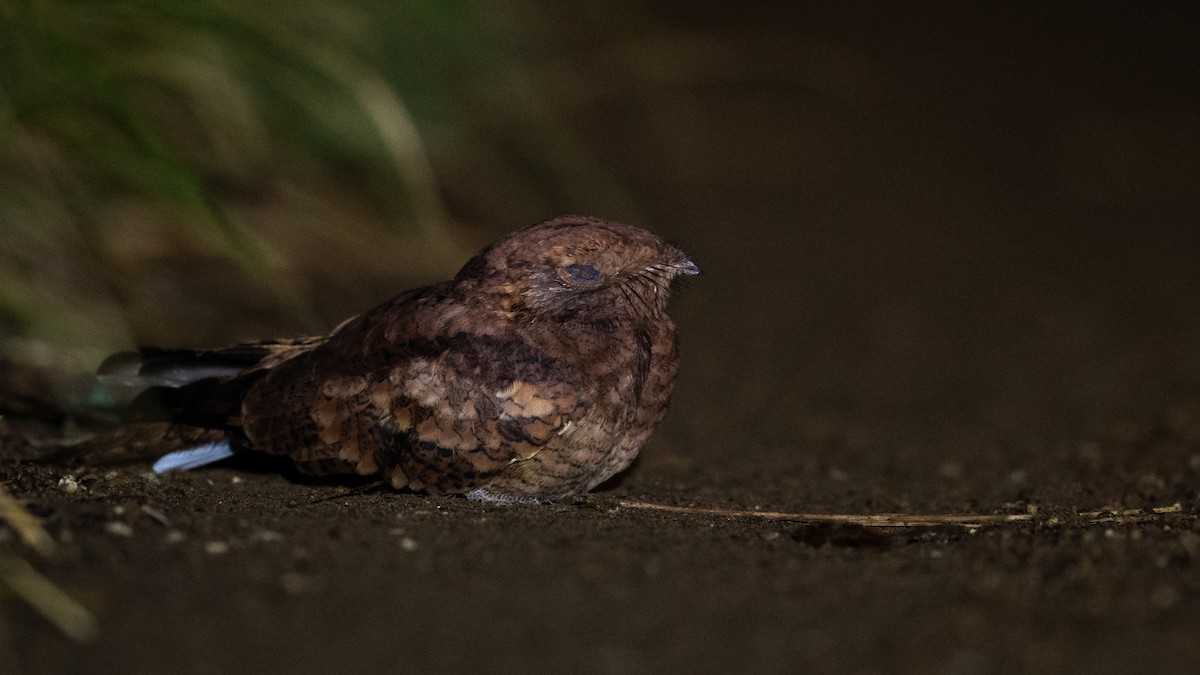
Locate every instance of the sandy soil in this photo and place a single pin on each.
(949, 265)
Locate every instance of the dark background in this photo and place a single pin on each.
(949, 256)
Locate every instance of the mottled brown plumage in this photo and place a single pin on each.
(536, 373)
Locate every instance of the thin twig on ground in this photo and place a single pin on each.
(967, 520)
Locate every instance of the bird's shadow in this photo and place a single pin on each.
(263, 464)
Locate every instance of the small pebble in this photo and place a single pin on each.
(216, 548)
(408, 544)
(118, 528)
(69, 484)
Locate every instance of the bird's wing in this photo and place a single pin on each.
(431, 411)
(452, 425)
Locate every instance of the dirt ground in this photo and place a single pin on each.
(949, 266)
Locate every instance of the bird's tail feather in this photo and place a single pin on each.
(154, 367)
(194, 387)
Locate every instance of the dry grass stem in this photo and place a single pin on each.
(70, 617)
(24, 582)
(26, 525)
(967, 520)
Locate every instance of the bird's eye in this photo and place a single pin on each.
(582, 273)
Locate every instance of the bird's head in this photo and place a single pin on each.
(575, 269)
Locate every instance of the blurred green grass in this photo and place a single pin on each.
(204, 171)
